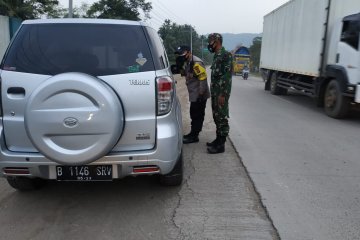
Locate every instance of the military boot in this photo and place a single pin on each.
(213, 143)
(191, 138)
(219, 147)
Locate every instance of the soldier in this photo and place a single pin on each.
(220, 89)
(197, 85)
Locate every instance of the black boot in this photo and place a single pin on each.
(191, 138)
(213, 143)
(219, 147)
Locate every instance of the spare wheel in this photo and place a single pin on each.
(74, 118)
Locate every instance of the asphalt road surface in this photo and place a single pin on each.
(305, 165)
(216, 201)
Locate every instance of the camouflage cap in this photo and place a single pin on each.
(214, 36)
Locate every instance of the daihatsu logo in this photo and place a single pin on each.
(71, 122)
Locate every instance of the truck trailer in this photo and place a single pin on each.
(312, 46)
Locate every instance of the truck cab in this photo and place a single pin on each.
(343, 65)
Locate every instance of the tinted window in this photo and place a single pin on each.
(161, 60)
(96, 49)
(350, 33)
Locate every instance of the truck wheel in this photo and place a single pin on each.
(25, 183)
(274, 88)
(336, 105)
(175, 177)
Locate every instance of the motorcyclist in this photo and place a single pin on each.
(245, 72)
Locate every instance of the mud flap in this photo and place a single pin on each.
(357, 94)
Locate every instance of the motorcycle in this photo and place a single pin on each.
(245, 74)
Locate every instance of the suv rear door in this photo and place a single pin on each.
(118, 54)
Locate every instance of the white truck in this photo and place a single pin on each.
(312, 46)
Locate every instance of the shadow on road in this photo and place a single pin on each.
(130, 208)
(309, 103)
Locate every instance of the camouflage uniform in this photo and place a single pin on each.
(221, 86)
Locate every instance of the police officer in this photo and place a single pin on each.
(220, 88)
(197, 85)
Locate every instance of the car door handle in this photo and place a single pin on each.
(16, 92)
(351, 67)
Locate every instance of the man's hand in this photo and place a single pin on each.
(221, 100)
(200, 98)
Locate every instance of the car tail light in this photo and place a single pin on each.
(165, 92)
(16, 171)
(146, 169)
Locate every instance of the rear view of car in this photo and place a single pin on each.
(88, 100)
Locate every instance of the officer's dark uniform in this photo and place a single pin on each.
(197, 85)
(221, 69)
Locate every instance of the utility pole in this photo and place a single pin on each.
(191, 41)
(70, 8)
(202, 47)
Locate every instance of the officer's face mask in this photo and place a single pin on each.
(187, 56)
(211, 47)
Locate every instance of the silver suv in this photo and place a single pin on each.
(88, 100)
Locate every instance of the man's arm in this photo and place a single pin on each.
(200, 73)
(225, 79)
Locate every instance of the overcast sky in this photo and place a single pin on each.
(206, 16)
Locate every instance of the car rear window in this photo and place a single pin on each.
(96, 49)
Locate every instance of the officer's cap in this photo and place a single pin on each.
(181, 50)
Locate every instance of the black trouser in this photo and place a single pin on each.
(197, 114)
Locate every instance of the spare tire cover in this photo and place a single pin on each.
(74, 118)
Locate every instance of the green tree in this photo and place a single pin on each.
(28, 9)
(78, 12)
(119, 9)
(175, 35)
(255, 50)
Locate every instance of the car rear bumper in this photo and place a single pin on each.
(164, 155)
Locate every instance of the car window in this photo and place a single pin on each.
(96, 49)
(161, 60)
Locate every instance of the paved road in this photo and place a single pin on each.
(216, 201)
(305, 165)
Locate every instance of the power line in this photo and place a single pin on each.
(180, 18)
(155, 17)
(158, 16)
(168, 12)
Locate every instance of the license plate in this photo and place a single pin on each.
(84, 173)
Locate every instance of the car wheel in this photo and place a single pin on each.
(175, 177)
(336, 105)
(25, 183)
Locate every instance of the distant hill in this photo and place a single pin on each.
(231, 40)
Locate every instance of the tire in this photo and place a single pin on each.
(175, 177)
(25, 183)
(335, 104)
(274, 88)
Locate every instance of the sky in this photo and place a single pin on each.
(206, 16)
